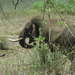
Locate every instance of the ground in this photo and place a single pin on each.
(20, 61)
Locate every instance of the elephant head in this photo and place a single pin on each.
(30, 32)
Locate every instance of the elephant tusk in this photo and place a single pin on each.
(15, 40)
(33, 43)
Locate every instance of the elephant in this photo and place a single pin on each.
(31, 30)
(52, 30)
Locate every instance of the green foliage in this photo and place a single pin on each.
(62, 7)
(6, 62)
(39, 5)
(40, 38)
(33, 65)
(61, 23)
(24, 67)
(43, 22)
(65, 8)
(71, 1)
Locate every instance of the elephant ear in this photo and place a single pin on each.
(34, 31)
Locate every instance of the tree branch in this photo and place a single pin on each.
(15, 4)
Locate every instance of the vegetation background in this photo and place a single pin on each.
(15, 60)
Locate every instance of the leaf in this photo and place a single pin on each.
(43, 22)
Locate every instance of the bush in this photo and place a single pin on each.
(63, 8)
(66, 8)
(72, 2)
(38, 5)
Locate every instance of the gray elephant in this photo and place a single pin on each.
(31, 30)
(52, 30)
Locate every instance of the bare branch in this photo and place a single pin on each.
(15, 4)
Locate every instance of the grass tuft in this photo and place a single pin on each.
(2, 43)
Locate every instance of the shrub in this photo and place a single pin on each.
(38, 5)
(66, 8)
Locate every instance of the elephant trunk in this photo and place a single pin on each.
(22, 41)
